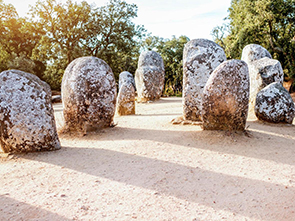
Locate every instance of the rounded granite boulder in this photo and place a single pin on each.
(149, 76)
(26, 114)
(274, 104)
(226, 97)
(88, 95)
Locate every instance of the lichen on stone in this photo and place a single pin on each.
(26, 114)
(226, 96)
(149, 76)
(200, 58)
(274, 104)
(88, 95)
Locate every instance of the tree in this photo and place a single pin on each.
(171, 51)
(269, 23)
(18, 39)
(72, 30)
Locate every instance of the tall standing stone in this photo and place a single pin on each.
(226, 97)
(200, 58)
(26, 114)
(88, 95)
(149, 76)
(126, 95)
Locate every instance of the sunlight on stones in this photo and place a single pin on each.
(88, 95)
(149, 76)
(274, 104)
(263, 70)
(200, 58)
(26, 114)
(226, 97)
(126, 95)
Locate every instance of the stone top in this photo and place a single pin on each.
(253, 52)
(150, 58)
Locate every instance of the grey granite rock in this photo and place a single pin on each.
(262, 73)
(253, 52)
(88, 95)
(126, 95)
(274, 104)
(200, 58)
(149, 76)
(26, 114)
(226, 97)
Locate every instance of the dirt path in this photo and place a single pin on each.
(146, 168)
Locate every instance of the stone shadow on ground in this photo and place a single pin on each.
(257, 142)
(24, 211)
(239, 195)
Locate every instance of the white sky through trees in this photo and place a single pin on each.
(192, 18)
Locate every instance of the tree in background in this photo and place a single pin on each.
(171, 51)
(269, 23)
(72, 30)
(18, 39)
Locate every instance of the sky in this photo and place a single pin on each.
(192, 18)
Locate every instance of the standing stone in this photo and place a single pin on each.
(274, 104)
(149, 76)
(253, 52)
(226, 97)
(88, 95)
(126, 95)
(26, 114)
(262, 73)
(200, 58)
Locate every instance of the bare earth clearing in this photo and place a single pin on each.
(146, 168)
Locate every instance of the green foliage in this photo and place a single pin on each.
(171, 51)
(56, 33)
(269, 23)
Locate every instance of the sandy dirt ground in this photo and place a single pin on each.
(146, 168)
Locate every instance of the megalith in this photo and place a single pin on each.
(226, 97)
(200, 58)
(126, 95)
(149, 76)
(274, 104)
(88, 95)
(263, 70)
(26, 114)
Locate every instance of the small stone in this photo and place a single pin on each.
(149, 76)
(126, 95)
(274, 104)
(226, 97)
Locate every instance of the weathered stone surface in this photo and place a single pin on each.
(126, 77)
(226, 97)
(253, 52)
(126, 95)
(88, 95)
(26, 114)
(200, 58)
(262, 73)
(149, 76)
(274, 104)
